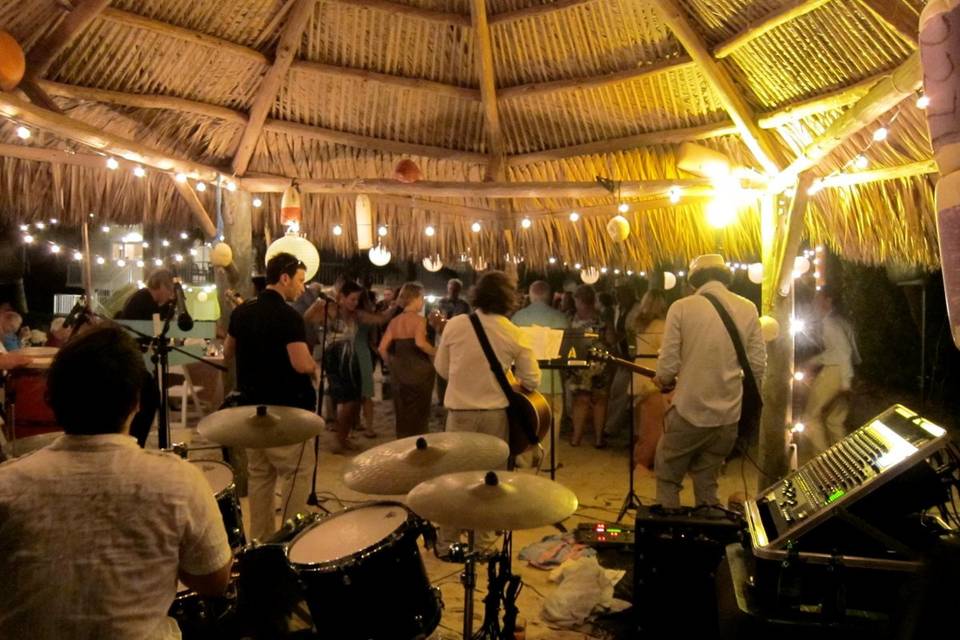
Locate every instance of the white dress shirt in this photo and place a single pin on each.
(460, 359)
(839, 348)
(92, 533)
(698, 352)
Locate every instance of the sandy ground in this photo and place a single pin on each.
(599, 477)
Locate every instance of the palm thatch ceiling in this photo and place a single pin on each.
(484, 95)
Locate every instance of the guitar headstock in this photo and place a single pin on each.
(599, 353)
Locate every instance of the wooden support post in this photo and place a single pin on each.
(238, 233)
(488, 91)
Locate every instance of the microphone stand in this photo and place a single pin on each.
(312, 499)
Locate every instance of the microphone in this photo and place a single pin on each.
(76, 313)
(184, 321)
(325, 297)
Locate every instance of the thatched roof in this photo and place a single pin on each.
(509, 90)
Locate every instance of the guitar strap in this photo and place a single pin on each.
(497, 370)
(748, 379)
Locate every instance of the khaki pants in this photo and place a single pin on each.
(687, 448)
(285, 468)
(825, 415)
(494, 423)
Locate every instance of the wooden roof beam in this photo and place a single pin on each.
(539, 89)
(96, 138)
(46, 51)
(838, 99)
(886, 94)
(536, 11)
(788, 11)
(196, 207)
(910, 170)
(488, 89)
(760, 143)
(493, 190)
(398, 9)
(401, 82)
(902, 20)
(287, 48)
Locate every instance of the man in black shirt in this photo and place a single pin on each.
(274, 367)
(156, 297)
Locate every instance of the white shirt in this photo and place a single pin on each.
(839, 347)
(460, 359)
(698, 352)
(92, 532)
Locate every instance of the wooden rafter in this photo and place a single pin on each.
(437, 207)
(902, 20)
(46, 51)
(196, 207)
(674, 136)
(536, 11)
(287, 48)
(788, 11)
(488, 89)
(922, 168)
(494, 190)
(402, 82)
(838, 99)
(98, 139)
(757, 140)
(592, 82)
(398, 9)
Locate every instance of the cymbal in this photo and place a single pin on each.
(502, 500)
(397, 467)
(260, 426)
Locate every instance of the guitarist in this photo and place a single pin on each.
(474, 400)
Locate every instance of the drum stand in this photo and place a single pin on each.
(502, 586)
(631, 500)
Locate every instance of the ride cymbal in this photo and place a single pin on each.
(260, 426)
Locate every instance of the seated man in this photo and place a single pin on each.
(94, 531)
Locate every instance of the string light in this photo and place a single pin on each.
(861, 162)
(39, 225)
(923, 101)
(616, 272)
(798, 427)
(23, 133)
(77, 256)
(158, 262)
(54, 221)
(139, 171)
(231, 186)
(145, 245)
(121, 262)
(603, 269)
(165, 242)
(674, 194)
(574, 216)
(880, 134)
(24, 227)
(140, 263)
(100, 260)
(382, 231)
(105, 228)
(577, 266)
(201, 186)
(178, 257)
(430, 231)
(623, 208)
(798, 376)
(526, 223)
(552, 260)
(181, 178)
(54, 248)
(184, 235)
(629, 272)
(337, 230)
(475, 227)
(257, 203)
(112, 164)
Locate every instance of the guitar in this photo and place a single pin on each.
(529, 415)
(600, 354)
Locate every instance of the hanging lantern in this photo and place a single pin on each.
(290, 212)
(364, 223)
(379, 256)
(12, 62)
(407, 171)
(432, 264)
(618, 228)
(769, 328)
(478, 264)
(755, 272)
(222, 255)
(298, 246)
(669, 280)
(590, 275)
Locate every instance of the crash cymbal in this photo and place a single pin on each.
(260, 427)
(501, 500)
(396, 467)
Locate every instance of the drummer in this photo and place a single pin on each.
(275, 367)
(95, 531)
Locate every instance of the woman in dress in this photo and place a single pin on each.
(649, 405)
(408, 353)
(589, 386)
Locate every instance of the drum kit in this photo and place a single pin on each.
(360, 570)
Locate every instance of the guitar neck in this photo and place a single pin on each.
(633, 366)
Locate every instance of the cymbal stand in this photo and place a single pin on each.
(313, 500)
(502, 586)
(631, 500)
(469, 580)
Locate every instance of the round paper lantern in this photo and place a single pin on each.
(618, 228)
(201, 296)
(769, 328)
(12, 62)
(801, 265)
(290, 211)
(364, 216)
(298, 246)
(755, 272)
(407, 171)
(590, 275)
(379, 255)
(222, 255)
(432, 264)
(669, 280)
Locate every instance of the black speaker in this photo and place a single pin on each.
(677, 553)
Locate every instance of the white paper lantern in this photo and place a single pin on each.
(201, 296)
(300, 247)
(801, 265)
(590, 275)
(379, 255)
(755, 272)
(432, 264)
(222, 255)
(769, 328)
(364, 223)
(618, 228)
(669, 280)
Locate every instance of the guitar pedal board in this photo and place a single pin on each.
(604, 534)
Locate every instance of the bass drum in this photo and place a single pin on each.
(362, 574)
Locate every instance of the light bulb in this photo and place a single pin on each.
(231, 185)
(121, 263)
(178, 257)
(158, 262)
(140, 263)
(54, 248)
(674, 194)
(880, 134)
(616, 272)
(861, 162)
(577, 266)
(923, 101)
(105, 228)
(201, 186)
(797, 326)
(603, 269)
(39, 225)
(257, 203)
(139, 171)
(552, 260)
(54, 221)
(165, 242)
(145, 245)
(28, 238)
(184, 235)
(629, 272)
(77, 256)
(337, 230)
(623, 208)
(112, 164)
(23, 133)
(798, 427)
(382, 231)
(475, 227)
(100, 260)
(429, 231)
(526, 223)
(798, 376)
(574, 216)
(181, 178)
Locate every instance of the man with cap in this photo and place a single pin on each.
(700, 428)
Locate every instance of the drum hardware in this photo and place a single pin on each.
(260, 426)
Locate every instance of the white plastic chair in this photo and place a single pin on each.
(185, 392)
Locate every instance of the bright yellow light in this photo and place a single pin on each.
(623, 208)
(798, 376)
(574, 216)
(722, 210)
(923, 102)
(881, 134)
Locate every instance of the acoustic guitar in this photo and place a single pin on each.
(529, 417)
(602, 355)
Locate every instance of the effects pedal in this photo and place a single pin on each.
(605, 534)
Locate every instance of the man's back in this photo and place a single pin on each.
(542, 315)
(697, 350)
(92, 530)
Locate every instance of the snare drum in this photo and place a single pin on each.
(202, 618)
(362, 574)
(219, 476)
